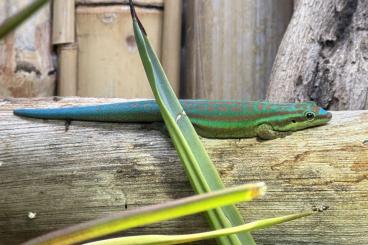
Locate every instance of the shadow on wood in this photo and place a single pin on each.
(68, 176)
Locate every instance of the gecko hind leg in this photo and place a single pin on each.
(266, 132)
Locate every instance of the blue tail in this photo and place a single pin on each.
(133, 111)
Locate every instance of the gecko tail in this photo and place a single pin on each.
(68, 113)
(146, 111)
(41, 113)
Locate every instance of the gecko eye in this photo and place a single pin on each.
(310, 116)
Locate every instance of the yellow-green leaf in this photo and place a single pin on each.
(179, 239)
(200, 170)
(148, 215)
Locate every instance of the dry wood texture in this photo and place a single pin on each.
(324, 56)
(69, 176)
(26, 66)
(231, 45)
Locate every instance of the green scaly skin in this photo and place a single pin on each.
(211, 119)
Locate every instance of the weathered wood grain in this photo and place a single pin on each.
(324, 56)
(92, 169)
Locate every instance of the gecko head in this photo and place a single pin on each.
(300, 116)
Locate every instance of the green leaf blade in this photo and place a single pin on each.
(202, 173)
(180, 239)
(14, 21)
(148, 215)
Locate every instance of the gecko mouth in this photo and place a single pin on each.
(328, 116)
(325, 115)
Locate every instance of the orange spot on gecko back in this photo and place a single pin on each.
(236, 109)
(201, 108)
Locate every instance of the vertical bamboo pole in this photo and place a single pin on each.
(231, 45)
(63, 35)
(171, 41)
(108, 59)
(68, 70)
(63, 30)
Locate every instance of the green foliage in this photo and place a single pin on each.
(197, 164)
(13, 22)
(179, 239)
(149, 215)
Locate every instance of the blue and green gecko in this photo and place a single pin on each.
(211, 118)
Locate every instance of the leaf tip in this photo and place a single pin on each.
(135, 17)
(132, 9)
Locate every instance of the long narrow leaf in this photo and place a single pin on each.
(179, 239)
(12, 22)
(197, 164)
(148, 215)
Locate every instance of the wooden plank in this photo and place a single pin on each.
(26, 60)
(108, 61)
(231, 45)
(92, 169)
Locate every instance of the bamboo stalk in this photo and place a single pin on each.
(68, 70)
(108, 60)
(231, 45)
(63, 22)
(171, 42)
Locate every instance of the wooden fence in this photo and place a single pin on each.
(228, 48)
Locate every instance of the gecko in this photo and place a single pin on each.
(211, 118)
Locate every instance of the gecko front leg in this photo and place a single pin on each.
(266, 132)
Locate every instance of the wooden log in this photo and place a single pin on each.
(231, 45)
(65, 176)
(323, 56)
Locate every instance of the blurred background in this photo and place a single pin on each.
(213, 49)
